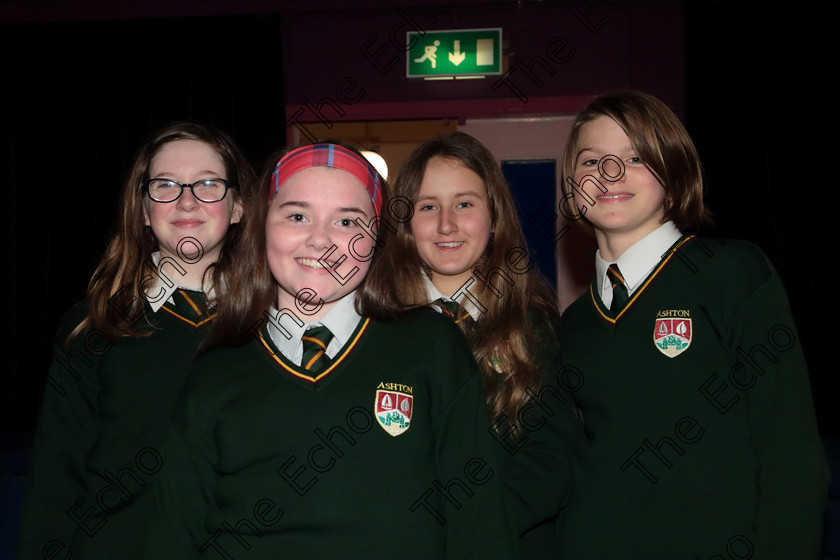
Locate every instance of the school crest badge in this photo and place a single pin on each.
(394, 407)
(672, 332)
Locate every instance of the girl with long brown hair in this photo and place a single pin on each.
(464, 250)
(123, 352)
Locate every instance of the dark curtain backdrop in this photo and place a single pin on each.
(78, 99)
(758, 110)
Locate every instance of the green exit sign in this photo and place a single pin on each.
(454, 52)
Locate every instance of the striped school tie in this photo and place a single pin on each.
(315, 342)
(620, 295)
(450, 309)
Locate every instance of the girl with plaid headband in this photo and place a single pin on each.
(464, 249)
(124, 352)
(313, 427)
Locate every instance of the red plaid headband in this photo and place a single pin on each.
(328, 155)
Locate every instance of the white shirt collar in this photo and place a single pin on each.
(342, 320)
(637, 262)
(433, 294)
(164, 285)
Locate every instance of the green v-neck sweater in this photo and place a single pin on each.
(537, 455)
(96, 454)
(701, 436)
(387, 453)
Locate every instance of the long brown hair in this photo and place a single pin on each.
(503, 338)
(117, 283)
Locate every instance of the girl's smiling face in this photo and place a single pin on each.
(313, 214)
(451, 223)
(188, 161)
(634, 204)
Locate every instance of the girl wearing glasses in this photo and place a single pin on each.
(122, 354)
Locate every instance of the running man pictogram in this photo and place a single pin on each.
(429, 53)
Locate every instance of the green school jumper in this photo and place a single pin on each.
(96, 454)
(702, 441)
(386, 453)
(537, 462)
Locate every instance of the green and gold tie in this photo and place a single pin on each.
(450, 309)
(315, 342)
(620, 295)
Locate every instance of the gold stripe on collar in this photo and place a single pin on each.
(596, 300)
(336, 362)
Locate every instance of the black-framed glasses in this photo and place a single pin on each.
(205, 190)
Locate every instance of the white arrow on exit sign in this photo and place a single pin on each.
(457, 57)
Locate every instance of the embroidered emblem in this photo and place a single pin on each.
(393, 408)
(672, 332)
